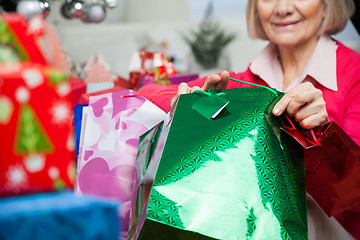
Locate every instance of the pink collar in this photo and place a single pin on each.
(321, 66)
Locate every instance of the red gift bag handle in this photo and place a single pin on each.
(316, 140)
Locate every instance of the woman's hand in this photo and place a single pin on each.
(305, 104)
(220, 81)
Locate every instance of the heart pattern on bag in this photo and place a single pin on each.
(98, 106)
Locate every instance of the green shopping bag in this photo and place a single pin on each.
(227, 175)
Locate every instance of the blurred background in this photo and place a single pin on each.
(125, 26)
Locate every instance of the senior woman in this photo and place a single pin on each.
(320, 76)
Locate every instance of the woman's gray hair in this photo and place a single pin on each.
(337, 13)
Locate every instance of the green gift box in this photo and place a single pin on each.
(228, 175)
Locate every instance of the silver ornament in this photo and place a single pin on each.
(66, 10)
(46, 7)
(111, 3)
(72, 8)
(77, 9)
(29, 8)
(94, 13)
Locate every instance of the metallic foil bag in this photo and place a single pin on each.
(332, 166)
(227, 176)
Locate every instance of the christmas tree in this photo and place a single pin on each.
(208, 42)
(30, 134)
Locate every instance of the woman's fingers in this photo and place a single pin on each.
(293, 100)
(183, 88)
(225, 76)
(305, 103)
(313, 121)
(193, 89)
(220, 81)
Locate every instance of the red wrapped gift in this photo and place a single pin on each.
(33, 41)
(37, 147)
(78, 88)
(149, 64)
(15, 32)
(332, 166)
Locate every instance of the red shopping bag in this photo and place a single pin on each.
(332, 166)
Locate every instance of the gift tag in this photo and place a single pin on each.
(210, 106)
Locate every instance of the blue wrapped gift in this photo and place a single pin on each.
(78, 112)
(58, 215)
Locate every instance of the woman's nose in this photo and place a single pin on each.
(284, 7)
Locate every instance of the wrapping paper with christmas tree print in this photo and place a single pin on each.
(33, 41)
(37, 144)
(332, 166)
(224, 177)
(111, 126)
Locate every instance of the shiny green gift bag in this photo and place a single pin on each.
(227, 175)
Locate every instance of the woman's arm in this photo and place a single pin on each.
(165, 96)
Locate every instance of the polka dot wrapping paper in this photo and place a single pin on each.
(37, 144)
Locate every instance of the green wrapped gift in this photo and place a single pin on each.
(220, 171)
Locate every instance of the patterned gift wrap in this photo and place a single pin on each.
(228, 177)
(37, 147)
(110, 130)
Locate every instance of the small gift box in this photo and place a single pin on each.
(97, 74)
(149, 64)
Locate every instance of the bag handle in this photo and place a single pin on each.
(316, 140)
(257, 85)
(233, 79)
(237, 80)
(149, 95)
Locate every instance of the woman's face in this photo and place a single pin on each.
(291, 23)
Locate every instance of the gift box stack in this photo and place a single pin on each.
(154, 67)
(37, 170)
(145, 63)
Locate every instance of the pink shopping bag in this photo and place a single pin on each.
(111, 126)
